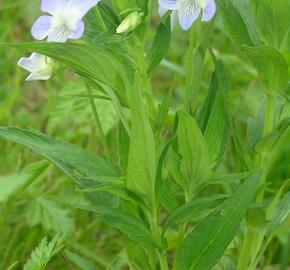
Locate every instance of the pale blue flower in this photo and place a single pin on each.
(40, 66)
(187, 11)
(64, 20)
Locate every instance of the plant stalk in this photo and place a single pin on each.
(189, 71)
(252, 238)
(98, 123)
(148, 93)
(270, 114)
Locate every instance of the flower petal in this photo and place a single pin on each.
(26, 64)
(168, 4)
(79, 31)
(50, 6)
(59, 33)
(174, 19)
(42, 75)
(33, 63)
(83, 6)
(40, 29)
(162, 11)
(209, 11)
(188, 12)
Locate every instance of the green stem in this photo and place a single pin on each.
(244, 258)
(163, 261)
(268, 127)
(181, 229)
(146, 82)
(98, 123)
(270, 114)
(189, 71)
(253, 240)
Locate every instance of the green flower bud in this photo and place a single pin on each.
(130, 22)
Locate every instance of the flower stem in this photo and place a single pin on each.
(98, 123)
(189, 71)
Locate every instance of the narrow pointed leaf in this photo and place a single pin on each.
(206, 244)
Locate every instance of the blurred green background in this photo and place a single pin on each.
(51, 108)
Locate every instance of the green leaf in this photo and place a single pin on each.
(255, 126)
(195, 164)
(142, 160)
(212, 118)
(85, 168)
(206, 244)
(10, 184)
(41, 256)
(162, 112)
(273, 20)
(123, 147)
(96, 62)
(73, 104)
(216, 129)
(234, 23)
(271, 66)
(160, 45)
(130, 225)
(73, 160)
(50, 215)
(248, 17)
(189, 210)
(79, 261)
(123, 5)
(282, 212)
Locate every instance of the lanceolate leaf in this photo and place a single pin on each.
(248, 16)
(84, 167)
(195, 165)
(206, 244)
(189, 210)
(234, 23)
(142, 160)
(128, 224)
(160, 45)
(95, 62)
(216, 129)
(213, 118)
(73, 160)
(273, 20)
(282, 212)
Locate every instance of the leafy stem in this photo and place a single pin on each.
(148, 93)
(270, 114)
(98, 123)
(252, 238)
(189, 71)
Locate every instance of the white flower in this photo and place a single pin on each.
(187, 11)
(65, 19)
(40, 66)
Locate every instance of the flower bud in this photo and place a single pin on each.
(130, 22)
